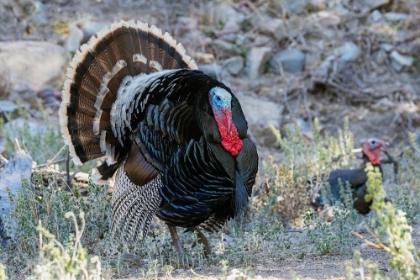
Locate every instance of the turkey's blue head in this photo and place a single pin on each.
(220, 102)
(372, 149)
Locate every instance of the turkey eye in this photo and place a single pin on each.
(218, 98)
(373, 142)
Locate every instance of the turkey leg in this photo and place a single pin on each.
(202, 239)
(177, 244)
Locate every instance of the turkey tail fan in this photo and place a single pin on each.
(93, 81)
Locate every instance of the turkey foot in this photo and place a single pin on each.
(202, 239)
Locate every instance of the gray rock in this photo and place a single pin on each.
(296, 6)
(336, 62)
(234, 65)
(341, 9)
(272, 26)
(261, 115)
(90, 28)
(19, 124)
(74, 39)
(38, 6)
(261, 40)
(7, 106)
(348, 52)
(400, 62)
(38, 13)
(391, 16)
(37, 64)
(16, 169)
(224, 49)
(292, 60)
(328, 19)
(402, 35)
(380, 57)
(375, 16)
(213, 70)
(225, 12)
(256, 60)
(387, 47)
(372, 4)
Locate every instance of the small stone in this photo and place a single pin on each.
(256, 60)
(225, 12)
(38, 13)
(381, 57)
(375, 16)
(213, 70)
(224, 48)
(391, 16)
(230, 27)
(292, 60)
(372, 4)
(89, 29)
(74, 39)
(261, 116)
(348, 52)
(262, 40)
(328, 19)
(387, 47)
(296, 6)
(230, 37)
(49, 97)
(273, 27)
(234, 65)
(399, 61)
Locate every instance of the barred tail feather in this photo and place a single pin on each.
(94, 77)
(212, 224)
(133, 206)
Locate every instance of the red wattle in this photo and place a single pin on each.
(374, 155)
(230, 137)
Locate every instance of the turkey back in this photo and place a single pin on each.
(93, 79)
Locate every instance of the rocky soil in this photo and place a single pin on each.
(287, 61)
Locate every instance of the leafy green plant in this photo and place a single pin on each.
(334, 236)
(3, 275)
(48, 204)
(35, 136)
(407, 193)
(392, 233)
(68, 260)
(40, 137)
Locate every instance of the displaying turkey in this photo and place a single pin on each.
(356, 178)
(175, 137)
